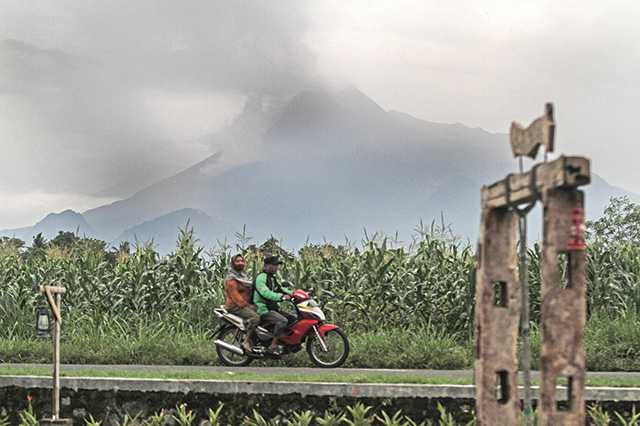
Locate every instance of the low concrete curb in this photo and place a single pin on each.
(356, 390)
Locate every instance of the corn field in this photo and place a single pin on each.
(371, 286)
(363, 288)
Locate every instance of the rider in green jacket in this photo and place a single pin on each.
(267, 293)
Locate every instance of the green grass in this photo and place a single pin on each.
(612, 344)
(424, 348)
(617, 382)
(326, 377)
(238, 376)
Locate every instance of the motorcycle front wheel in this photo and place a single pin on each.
(233, 336)
(337, 349)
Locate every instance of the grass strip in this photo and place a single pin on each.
(392, 348)
(260, 377)
(239, 376)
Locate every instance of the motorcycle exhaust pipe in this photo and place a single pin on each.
(229, 347)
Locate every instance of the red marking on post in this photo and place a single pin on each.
(576, 237)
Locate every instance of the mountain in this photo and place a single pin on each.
(324, 165)
(53, 223)
(329, 166)
(163, 231)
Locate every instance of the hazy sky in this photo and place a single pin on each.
(95, 95)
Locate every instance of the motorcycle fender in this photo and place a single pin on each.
(324, 328)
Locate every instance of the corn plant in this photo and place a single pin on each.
(445, 418)
(632, 421)
(157, 419)
(28, 417)
(598, 416)
(184, 416)
(214, 415)
(302, 418)
(92, 422)
(255, 420)
(359, 415)
(131, 421)
(395, 420)
(376, 284)
(331, 418)
(410, 422)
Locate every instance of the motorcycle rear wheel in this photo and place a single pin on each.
(233, 336)
(338, 345)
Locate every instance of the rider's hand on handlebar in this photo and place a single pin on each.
(286, 297)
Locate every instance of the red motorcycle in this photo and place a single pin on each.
(327, 345)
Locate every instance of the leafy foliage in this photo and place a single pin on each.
(365, 288)
(92, 422)
(27, 417)
(358, 414)
(620, 222)
(373, 286)
(184, 416)
(214, 415)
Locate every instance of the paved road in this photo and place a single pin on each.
(462, 374)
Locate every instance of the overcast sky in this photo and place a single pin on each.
(95, 94)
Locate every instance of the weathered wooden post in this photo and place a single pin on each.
(497, 315)
(563, 308)
(54, 298)
(500, 294)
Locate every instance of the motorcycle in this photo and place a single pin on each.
(326, 344)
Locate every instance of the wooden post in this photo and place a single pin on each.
(54, 298)
(498, 290)
(497, 318)
(563, 308)
(524, 188)
(525, 142)
(55, 403)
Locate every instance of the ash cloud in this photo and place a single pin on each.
(96, 96)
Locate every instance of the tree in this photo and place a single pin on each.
(39, 242)
(38, 246)
(620, 222)
(65, 240)
(12, 244)
(271, 247)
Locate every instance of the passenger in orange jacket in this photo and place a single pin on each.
(239, 288)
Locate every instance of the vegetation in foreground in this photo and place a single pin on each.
(356, 415)
(404, 306)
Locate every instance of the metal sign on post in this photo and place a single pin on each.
(502, 289)
(53, 295)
